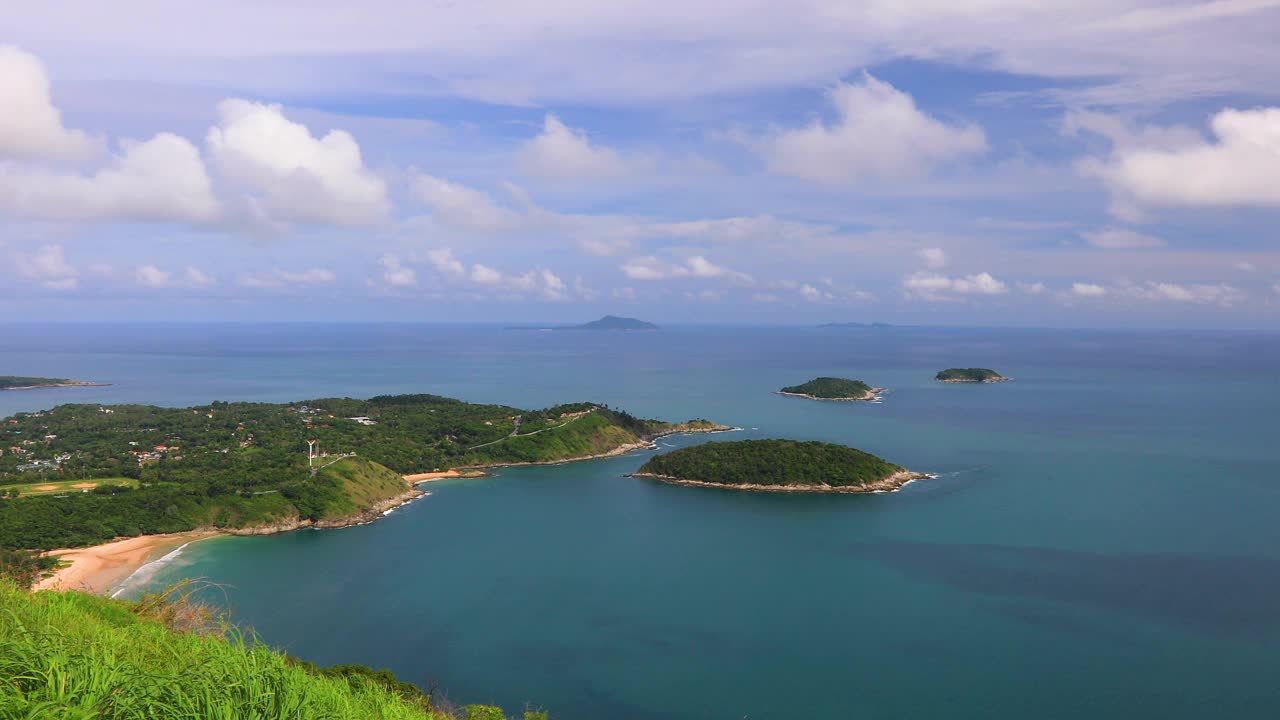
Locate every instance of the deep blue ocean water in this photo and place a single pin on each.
(1102, 541)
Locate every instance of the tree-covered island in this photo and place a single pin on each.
(969, 375)
(16, 382)
(779, 466)
(830, 388)
(83, 474)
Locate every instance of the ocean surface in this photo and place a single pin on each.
(1103, 539)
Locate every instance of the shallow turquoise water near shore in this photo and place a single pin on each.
(1101, 542)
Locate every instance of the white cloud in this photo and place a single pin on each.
(1087, 290)
(297, 177)
(560, 152)
(444, 261)
(1239, 167)
(30, 125)
(485, 275)
(152, 276)
(195, 277)
(651, 268)
(934, 286)
(160, 179)
(277, 278)
(880, 134)
(1120, 239)
(933, 257)
(396, 274)
(48, 267)
(463, 207)
(629, 293)
(1035, 288)
(811, 293)
(1245, 267)
(1200, 294)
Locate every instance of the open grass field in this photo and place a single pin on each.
(58, 487)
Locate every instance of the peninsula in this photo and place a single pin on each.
(14, 382)
(830, 388)
(778, 466)
(86, 474)
(969, 375)
(608, 322)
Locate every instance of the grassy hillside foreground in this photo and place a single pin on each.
(72, 655)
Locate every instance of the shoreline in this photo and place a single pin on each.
(872, 395)
(99, 568)
(890, 484)
(74, 383)
(644, 444)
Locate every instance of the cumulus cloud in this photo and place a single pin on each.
(1035, 288)
(1087, 290)
(296, 176)
(649, 267)
(933, 257)
(31, 126)
(935, 286)
(880, 133)
(152, 277)
(1120, 239)
(561, 152)
(1200, 294)
(444, 261)
(49, 267)
(278, 278)
(395, 274)
(1239, 166)
(485, 275)
(163, 178)
(463, 207)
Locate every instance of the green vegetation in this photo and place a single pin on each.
(236, 465)
(72, 655)
(14, 382)
(974, 375)
(771, 462)
(829, 388)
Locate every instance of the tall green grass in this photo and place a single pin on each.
(72, 655)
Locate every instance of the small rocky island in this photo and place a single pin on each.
(829, 388)
(778, 466)
(969, 375)
(15, 382)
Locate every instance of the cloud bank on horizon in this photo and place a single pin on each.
(1083, 163)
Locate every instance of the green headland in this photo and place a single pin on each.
(15, 382)
(969, 375)
(84, 474)
(778, 465)
(830, 388)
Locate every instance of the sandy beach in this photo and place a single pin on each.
(442, 475)
(97, 569)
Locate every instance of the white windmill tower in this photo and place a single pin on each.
(311, 451)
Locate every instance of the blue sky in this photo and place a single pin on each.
(1111, 164)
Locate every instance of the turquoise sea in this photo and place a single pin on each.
(1103, 540)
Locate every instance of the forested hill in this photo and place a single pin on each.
(771, 463)
(830, 388)
(144, 469)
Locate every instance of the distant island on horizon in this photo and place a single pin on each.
(608, 322)
(16, 382)
(969, 375)
(778, 466)
(854, 325)
(832, 388)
